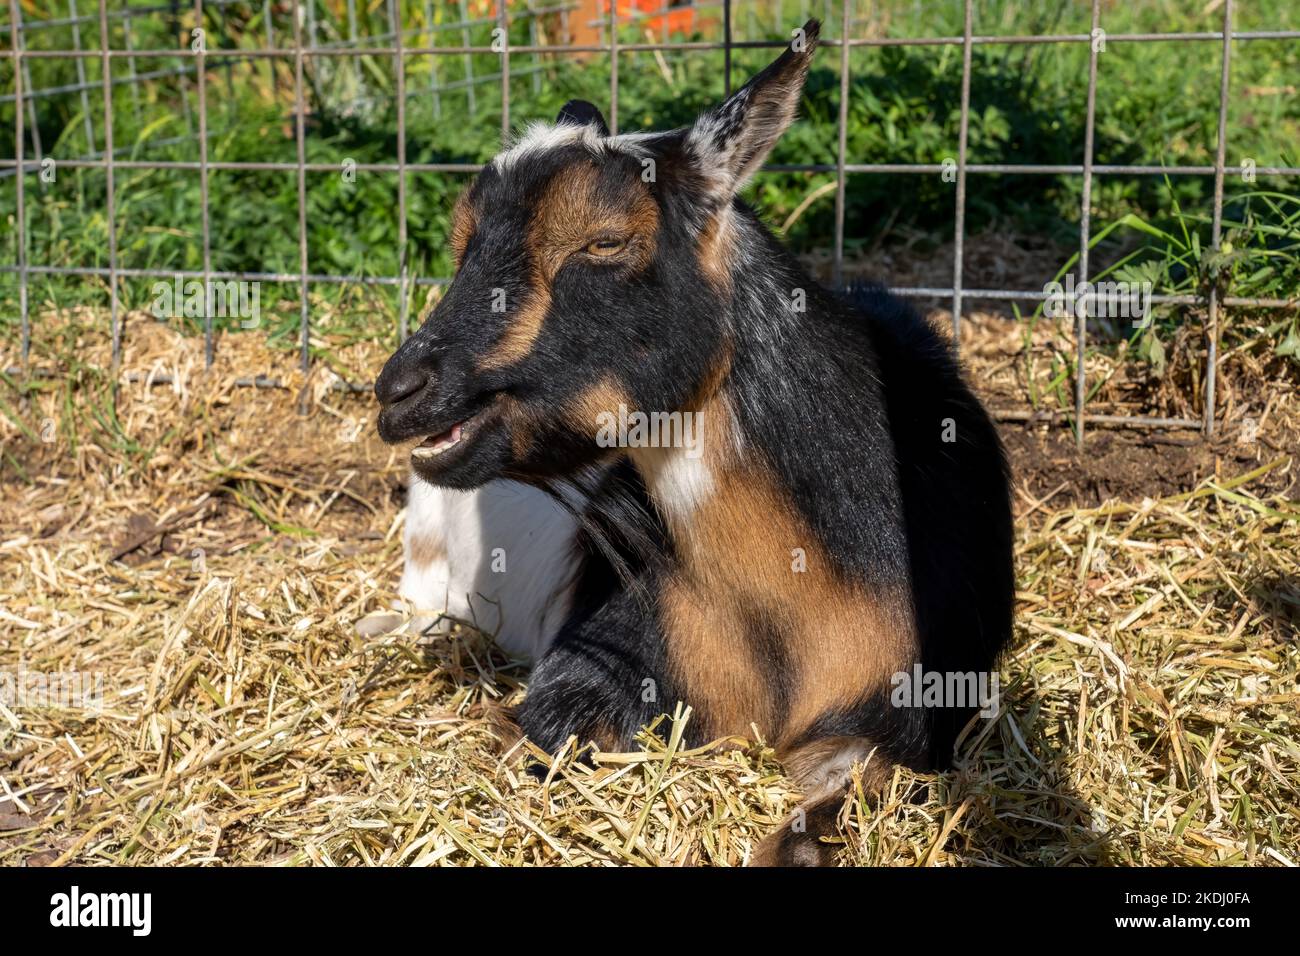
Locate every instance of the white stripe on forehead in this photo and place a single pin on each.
(543, 137)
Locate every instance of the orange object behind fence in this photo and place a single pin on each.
(679, 19)
(592, 16)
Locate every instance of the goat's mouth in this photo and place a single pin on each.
(439, 453)
(435, 445)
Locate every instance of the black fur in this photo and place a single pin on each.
(582, 113)
(956, 505)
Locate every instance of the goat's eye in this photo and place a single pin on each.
(604, 248)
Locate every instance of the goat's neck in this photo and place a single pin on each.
(767, 299)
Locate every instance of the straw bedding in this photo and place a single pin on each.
(206, 550)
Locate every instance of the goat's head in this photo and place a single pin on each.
(591, 270)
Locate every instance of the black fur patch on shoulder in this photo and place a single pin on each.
(809, 395)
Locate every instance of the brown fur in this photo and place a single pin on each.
(425, 550)
(605, 396)
(823, 765)
(463, 223)
(522, 425)
(840, 640)
(807, 837)
(570, 215)
(717, 251)
(801, 839)
(522, 333)
(708, 653)
(603, 735)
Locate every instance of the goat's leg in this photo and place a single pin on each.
(822, 768)
(602, 680)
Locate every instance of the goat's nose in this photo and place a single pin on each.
(397, 382)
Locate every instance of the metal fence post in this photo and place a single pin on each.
(613, 65)
(300, 137)
(20, 231)
(81, 77)
(201, 84)
(842, 145)
(726, 46)
(110, 204)
(399, 63)
(1216, 234)
(959, 216)
(503, 24)
(1085, 224)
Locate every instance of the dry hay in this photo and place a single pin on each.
(208, 551)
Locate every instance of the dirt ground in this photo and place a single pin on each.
(205, 550)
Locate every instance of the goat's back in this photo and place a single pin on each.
(953, 478)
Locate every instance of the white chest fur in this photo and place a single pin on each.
(500, 557)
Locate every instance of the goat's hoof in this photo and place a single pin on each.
(800, 839)
(785, 848)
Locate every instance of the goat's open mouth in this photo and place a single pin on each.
(439, 450)
(435, 445)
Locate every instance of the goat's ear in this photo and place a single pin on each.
(731, 141)
(582, 113)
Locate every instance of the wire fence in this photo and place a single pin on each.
(399, 44)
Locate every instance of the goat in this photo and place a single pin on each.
(844, 520)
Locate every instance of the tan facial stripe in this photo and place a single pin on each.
(566, 219)
(712, 383)
(717, 250)
(570, 215)
(463, 224)
(522, 332)
(603, 397)
(523, 426)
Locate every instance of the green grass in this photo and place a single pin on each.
(1156, 104)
